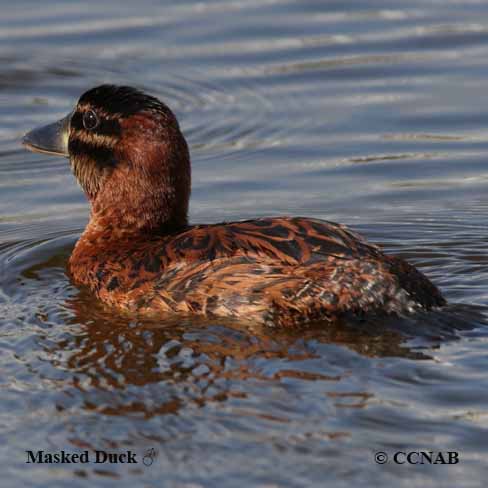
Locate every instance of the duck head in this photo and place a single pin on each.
(129, 156)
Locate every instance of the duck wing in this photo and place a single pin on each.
(289, 270)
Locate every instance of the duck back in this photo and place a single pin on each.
(277, 271)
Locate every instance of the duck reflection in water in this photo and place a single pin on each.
(185, 362)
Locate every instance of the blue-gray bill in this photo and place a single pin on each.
(50, 139)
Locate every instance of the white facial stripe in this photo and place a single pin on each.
(94, 138)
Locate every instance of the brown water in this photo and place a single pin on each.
(370, 113)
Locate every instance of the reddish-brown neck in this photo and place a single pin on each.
(148, 190)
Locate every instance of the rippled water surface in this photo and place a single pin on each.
(372, 113)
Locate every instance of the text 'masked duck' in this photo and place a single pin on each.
(139, 253)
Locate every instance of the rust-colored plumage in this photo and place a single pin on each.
(138, 252)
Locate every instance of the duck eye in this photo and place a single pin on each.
(90, 120)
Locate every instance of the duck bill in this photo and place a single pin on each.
(50, 139)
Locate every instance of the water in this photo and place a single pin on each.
(369, 113)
